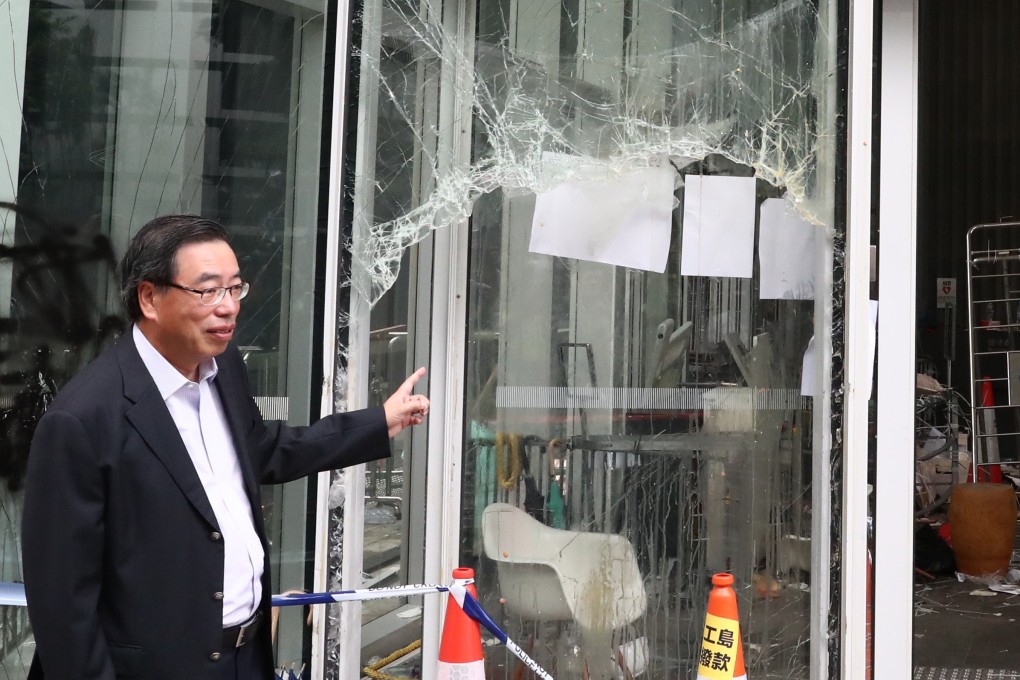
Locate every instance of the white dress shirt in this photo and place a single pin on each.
(198, 413)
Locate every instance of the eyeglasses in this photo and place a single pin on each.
(214, 296)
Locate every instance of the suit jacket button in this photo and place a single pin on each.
(215, 656)
(215, 535)
(217, 596)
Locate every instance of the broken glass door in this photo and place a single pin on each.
(648, 193)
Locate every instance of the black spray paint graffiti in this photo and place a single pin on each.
(54, 321)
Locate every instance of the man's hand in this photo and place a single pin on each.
(404, 409)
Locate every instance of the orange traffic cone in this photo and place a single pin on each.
(988, 446)
(460, 648)
(722, 652)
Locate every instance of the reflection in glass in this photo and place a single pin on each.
(133, 110)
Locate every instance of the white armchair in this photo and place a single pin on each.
(548, 574)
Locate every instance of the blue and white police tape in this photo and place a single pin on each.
(13, 594)
(355, 595)
(458, 590)
(473, 609)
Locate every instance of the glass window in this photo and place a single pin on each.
(390, 175)
(133, 110)
(389, 515)
(649, 192)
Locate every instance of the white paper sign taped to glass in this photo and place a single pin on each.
(618, 219)
(718, 229)
(788, 251)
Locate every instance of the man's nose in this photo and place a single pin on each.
(228, 306)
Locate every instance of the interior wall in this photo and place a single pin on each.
(968, 146)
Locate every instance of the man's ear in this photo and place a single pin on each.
(147, 294)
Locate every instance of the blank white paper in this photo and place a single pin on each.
(622, 220)
(787, 253)
(718, 236)
(808, 375)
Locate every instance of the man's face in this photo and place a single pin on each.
(176, 322)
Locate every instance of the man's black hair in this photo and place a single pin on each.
(152, 253)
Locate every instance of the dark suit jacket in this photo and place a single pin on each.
(123, 559)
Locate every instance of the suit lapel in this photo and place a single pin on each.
(234, 398)
(151, 418)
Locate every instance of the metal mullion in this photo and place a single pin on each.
(449, 299)
(893, 591)
(353, 541)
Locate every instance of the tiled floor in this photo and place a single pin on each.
(963, 628)
(926, 673)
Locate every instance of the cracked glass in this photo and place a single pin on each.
(121, 111)
(652, 386)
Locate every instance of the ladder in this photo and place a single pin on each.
(993, 313)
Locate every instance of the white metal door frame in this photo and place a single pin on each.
(896, 368)
(320, 573)
(448, 299)
(853, 596)
(449, 313)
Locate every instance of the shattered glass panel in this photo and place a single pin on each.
(681, 83)
(642, 419)
(119, 112)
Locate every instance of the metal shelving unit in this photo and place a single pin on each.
(993, 313)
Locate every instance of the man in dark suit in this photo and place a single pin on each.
(145, 553)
